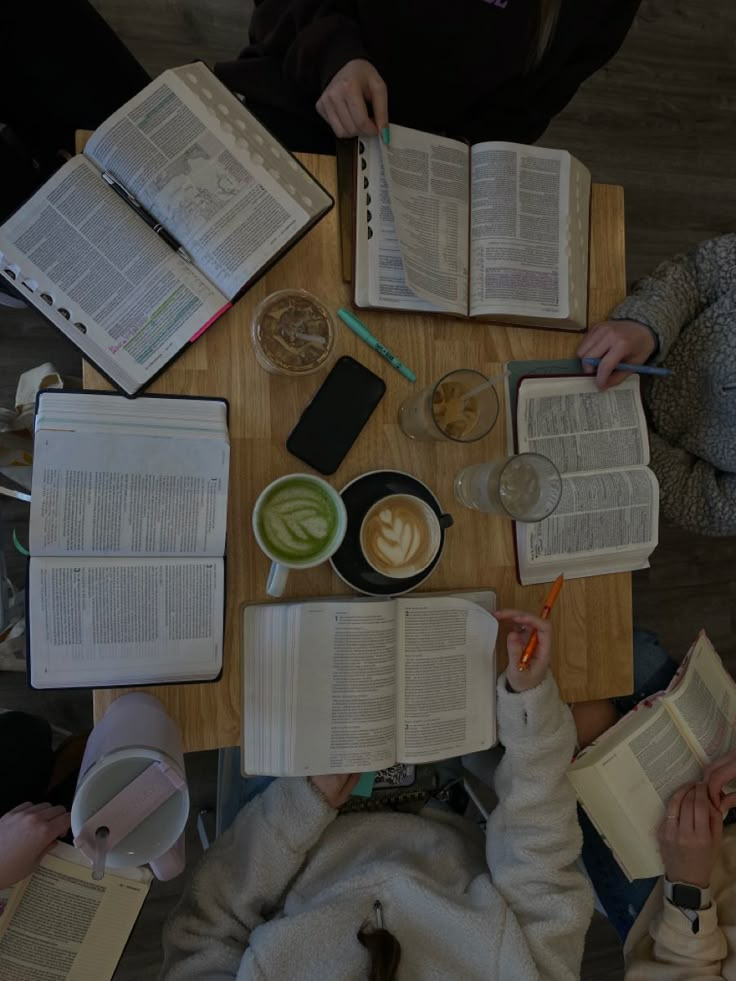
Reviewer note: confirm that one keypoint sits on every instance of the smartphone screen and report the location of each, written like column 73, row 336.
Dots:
column 332, row 421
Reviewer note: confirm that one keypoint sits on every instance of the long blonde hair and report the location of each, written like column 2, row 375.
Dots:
column 548, row 12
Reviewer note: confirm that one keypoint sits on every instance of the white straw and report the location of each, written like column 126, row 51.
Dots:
column 486, row 385
column 98, row 866
column 313, row 338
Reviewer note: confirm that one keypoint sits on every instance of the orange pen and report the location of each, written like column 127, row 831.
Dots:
column 531, row 644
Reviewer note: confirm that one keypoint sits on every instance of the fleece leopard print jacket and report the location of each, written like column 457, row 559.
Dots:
column 689, row 303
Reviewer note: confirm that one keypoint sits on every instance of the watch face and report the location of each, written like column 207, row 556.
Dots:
column 686, row 897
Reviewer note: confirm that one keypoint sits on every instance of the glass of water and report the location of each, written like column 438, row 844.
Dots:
column 525, row 487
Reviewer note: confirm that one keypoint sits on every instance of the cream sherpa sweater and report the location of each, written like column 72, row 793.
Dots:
column 283, row 893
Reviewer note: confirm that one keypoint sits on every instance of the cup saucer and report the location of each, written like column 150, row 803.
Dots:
column 359, row 496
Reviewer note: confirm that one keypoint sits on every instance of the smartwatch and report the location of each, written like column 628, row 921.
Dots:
column 686, row 896
column 689, row 899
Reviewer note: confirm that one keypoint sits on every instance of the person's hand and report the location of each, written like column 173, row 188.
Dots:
column 336, row 788
column 344, row 103
column 690, row 836
column 26, row 834
column 717, row 775
column 522, row 624
column 614, row 341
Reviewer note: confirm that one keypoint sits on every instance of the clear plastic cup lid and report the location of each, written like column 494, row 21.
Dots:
column 293, row 333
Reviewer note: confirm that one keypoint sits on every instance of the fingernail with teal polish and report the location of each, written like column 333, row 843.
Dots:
column 386, row 135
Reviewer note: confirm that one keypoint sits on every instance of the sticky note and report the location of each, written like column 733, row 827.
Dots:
column 364, row 787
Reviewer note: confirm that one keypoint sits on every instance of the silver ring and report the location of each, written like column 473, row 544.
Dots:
column 671, row 817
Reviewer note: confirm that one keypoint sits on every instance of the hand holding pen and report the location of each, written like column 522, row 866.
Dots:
column 531, row 644
column 614, row 342
column 523, row 627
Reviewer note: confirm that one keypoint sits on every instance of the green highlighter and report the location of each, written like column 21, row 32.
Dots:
column 358, row 327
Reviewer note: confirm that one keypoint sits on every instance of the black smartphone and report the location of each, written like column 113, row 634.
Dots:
column 332, row 421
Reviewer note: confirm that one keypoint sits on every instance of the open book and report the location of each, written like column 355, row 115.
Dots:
column 336, row 686
column 126, row 580
column 59, row 924
column 608, row 517
column 497, row 231
column 201, row 165
column 625, row 779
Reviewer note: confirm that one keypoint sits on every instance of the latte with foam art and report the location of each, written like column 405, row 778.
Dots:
column 400, row 536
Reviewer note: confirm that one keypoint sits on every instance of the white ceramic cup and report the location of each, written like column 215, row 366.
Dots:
column 433, row 528
column 280, row 567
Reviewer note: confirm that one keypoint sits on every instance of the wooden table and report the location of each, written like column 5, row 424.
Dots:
column 592, row 620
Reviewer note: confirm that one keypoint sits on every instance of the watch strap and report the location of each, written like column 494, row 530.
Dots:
column 690, row 900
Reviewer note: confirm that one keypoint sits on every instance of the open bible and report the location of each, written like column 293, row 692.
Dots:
column 335, row 686
column 202, row 167
column 625, row 778
column 59, row 924
column 126, row 580
column 497, row 231
column 608, row 517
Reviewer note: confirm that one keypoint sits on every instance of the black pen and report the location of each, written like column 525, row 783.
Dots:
column 135, row 204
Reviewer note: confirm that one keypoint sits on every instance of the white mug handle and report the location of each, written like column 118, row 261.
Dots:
column 277, row 579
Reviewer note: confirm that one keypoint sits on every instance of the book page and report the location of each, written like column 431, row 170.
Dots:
column 599, row 515
column 359, row 671
column 379, row 270
column 578, row 242
column 320, row 688
column 615, row 824
column 519, row 208
column 98, row 622
column 581, row 428
column 642, row 761
column 61, row 925
column 427, row 179
column 210, row 173
column 104, row 278
column 270, row 652
column 130, row 495
column 446, row 679
column 704, row 703
column 514, row 371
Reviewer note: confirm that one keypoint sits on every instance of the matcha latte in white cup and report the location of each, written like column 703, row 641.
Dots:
column 299, row 521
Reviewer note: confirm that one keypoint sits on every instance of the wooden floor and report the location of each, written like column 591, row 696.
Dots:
column 661, row 120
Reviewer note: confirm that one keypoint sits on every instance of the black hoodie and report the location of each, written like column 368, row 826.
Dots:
column 458, row 67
